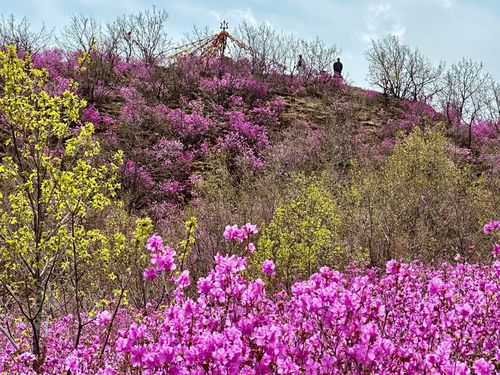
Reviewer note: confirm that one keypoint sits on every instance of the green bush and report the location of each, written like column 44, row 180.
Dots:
column 304, row 233
column 420, row 204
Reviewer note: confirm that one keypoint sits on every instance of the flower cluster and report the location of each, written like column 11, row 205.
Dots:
column 412, row 319
column 162, row 258
column 268, row 267
column 188, row 126
column 491, row 226
column 233, row 232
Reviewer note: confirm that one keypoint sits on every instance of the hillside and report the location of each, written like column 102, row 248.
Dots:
column 197, row 138
column 207, row 217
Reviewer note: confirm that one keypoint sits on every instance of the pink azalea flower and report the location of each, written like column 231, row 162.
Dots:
column 103, row 318
column 268, row 267
column 483, row 367
column 155, row 243
column 150, row 273
column 250, row 247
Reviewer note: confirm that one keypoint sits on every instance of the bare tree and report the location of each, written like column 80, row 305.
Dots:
column 318, row 56
column 267, row 51
column 423, row 76
column 141, row 35
column 465, row 92
column 273, row 51
column 81, row 34
column 147, row 34
column 400, row 71
column 387, row 59
column 21, row 35
column 197, row 34
column 493, row 104
column 112, row 38
column 119, row 33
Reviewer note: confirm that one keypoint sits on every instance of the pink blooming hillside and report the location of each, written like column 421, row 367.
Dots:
column 123, row 169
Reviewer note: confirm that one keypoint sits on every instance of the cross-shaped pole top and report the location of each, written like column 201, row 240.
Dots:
column 224, row 25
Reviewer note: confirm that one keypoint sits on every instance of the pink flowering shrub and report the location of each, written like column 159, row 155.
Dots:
column 100, row 121
column 418, row 113
column 190, row 128
column 486, row 144
column 410, row 319
column 493, row 227
column 266, row 115
column 206, row 108
column 484, row 138
column 371, row 93
column 393, row 126
column 323, row 82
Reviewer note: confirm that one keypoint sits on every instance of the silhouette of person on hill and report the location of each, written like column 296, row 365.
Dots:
column 301, row 65
column 337, row 68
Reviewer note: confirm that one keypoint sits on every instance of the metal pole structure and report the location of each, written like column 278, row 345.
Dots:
column 223, row 36
column 223, row 26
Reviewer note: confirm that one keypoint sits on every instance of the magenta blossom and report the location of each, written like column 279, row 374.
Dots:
column 103, row 318
column 164, row 261
column 250, row 247
column 483, row 367
column 233, row 232
column 392, row 267
column 496, row 250
column 155, row 243
column 249, row 229
column 183, row 280
column 268, row 268
column 492, row 225
column 150, row 273
column 436, row 286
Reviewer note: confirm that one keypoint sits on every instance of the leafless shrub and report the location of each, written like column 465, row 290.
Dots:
column 465, row 93
column 146, row 35
column 273, row 51
column 493, row 104
column 318, row 56
column 21, row 35
column 267, row 51
column 401, row 71
column 81, row 34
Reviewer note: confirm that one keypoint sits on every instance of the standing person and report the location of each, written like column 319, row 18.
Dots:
column 337, row 68
column 301, row 66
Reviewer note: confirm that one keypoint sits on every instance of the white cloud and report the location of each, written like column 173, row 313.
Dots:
column 381, row 19
column 215, row 15
column 232, row 16
column 447, row 3
column 238, row 15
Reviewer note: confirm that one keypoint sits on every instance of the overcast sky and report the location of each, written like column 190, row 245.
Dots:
column 442, row 29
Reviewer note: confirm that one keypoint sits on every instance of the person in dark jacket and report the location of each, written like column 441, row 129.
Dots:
column 337, row 68
column 301, row 66
column 300, row 63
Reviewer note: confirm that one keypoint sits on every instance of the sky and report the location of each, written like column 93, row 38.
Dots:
column 443, row 30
